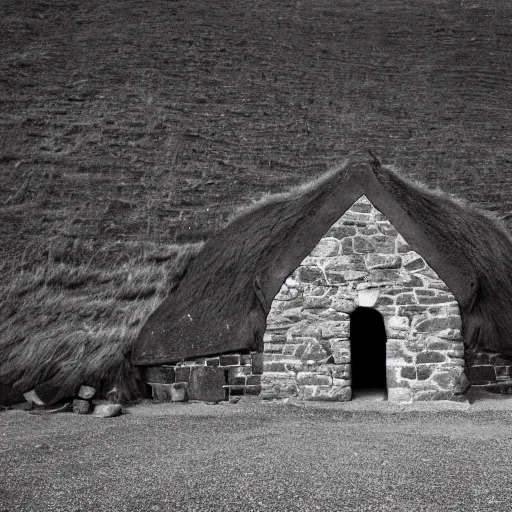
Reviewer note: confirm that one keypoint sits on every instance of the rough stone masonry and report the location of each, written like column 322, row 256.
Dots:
column 363, row 261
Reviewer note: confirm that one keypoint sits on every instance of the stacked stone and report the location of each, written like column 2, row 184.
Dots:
column 206, row 378
column 362, row 260
column 489, row 369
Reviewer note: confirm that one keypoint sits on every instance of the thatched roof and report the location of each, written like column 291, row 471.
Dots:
column 223, row 299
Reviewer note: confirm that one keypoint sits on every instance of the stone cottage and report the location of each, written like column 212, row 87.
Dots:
column 358, row 279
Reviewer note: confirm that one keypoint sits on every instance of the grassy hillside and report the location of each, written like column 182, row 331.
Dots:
column 129, row 125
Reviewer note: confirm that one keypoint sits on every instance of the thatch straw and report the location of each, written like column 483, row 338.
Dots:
column 222, row 301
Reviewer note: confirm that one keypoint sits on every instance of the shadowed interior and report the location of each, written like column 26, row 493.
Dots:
column 368, row 348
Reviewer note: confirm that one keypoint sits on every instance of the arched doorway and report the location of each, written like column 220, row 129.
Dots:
column 367, row 349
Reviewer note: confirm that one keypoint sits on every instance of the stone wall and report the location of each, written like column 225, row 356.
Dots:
column 363, row 261
column 210, row 379
column 489, row 370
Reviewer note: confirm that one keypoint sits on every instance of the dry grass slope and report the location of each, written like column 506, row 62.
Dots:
column 73, row 321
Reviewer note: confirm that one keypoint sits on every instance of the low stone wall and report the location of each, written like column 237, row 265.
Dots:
column 489, row 370
column 363, row 261
column 209, row 379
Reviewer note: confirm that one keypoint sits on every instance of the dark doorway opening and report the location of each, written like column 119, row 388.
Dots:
column 368, row 349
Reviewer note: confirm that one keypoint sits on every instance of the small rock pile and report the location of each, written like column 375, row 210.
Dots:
column 82, row 404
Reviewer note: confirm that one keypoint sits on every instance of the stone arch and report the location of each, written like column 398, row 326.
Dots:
column 363, row 261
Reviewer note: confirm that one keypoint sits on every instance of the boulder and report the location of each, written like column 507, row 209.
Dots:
column 86, row 392
column 179, row 392
column 107, row 410
column 31, row 396
column 81, row 406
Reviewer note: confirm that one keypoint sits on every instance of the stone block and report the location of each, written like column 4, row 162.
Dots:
column 257, row 362
column 207, row 384
column 335, row 329
column 326, row 393
column 211, row 361
column 312, row 378
column 329, row 314
column 430, row 356
column 269, row 393
column 81, row 406
column 398, row 323
column 275, row 366
column 360, row 207
column 253, row 380
column 341, row 231
column 293, row 350
column 454, row 380
column 108, row 410
column 411, row 281
column 438, row 324
column 338, row 371
column 272, row 348
column 182, row 373
column 400, row 394
column 408, row 372
column 179, row 392
column 437, row 299
column 326, row 247
column 368, row 230
column 311, row 275
column 340, row 350
column 86, row 392
column 415, row 313
column 385, row 276
column 253, row 389
column 384, row 300
column 229, row 360
column 387, row 229
column 343, row 305
column 315, row 302
column 438, row 344
column 160, row 392
column 293, row 314
column 479, row 375
column 31, row 396
column 304, row 329
column 395, row 348
column 314, row 351
column 342, row 383
column 362, row 245
column 382, row 261
column 356, row 219
column 406, row 299
column 424, row 371
column 287, row 294
column 417, row 263
column 402, row 248
column 383, row 244
column 449, row 334
column 270, row 337
column 347, row 246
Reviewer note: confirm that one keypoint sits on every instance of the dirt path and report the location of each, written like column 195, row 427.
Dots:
column 256, row 456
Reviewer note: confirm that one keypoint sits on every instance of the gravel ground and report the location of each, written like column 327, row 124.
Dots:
column 261, row 456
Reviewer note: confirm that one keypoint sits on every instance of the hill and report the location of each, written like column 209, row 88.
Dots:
column 127, row 127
